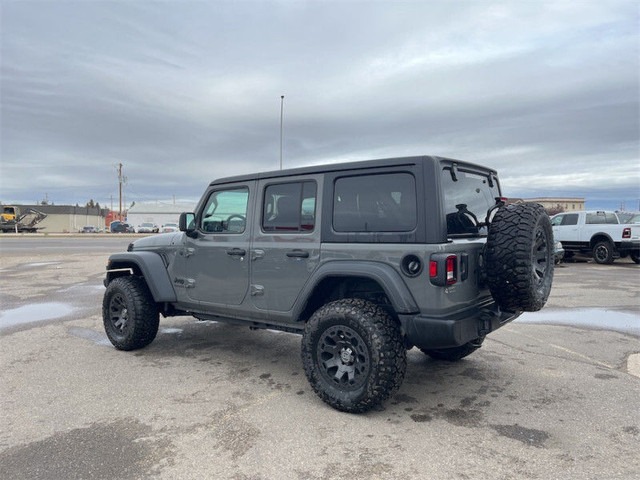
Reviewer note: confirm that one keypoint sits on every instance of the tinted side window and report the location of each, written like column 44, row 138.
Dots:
column 557, row 220
column 375, row 203
column 289, row 207
column 226, row 211
column 595, row 218
column 570, row 219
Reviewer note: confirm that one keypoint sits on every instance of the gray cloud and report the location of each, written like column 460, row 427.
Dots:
column 184, row 93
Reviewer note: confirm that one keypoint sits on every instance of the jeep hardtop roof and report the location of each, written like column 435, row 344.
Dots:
column 360, row 165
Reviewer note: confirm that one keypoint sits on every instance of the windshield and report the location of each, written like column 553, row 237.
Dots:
column 147, row 225
column 467, row 198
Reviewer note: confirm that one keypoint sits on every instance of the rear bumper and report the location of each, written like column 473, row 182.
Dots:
column 452, row 331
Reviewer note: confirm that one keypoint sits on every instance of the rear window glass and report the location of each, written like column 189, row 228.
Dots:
column 467, row 198
column 600, row 218
column 375, row 203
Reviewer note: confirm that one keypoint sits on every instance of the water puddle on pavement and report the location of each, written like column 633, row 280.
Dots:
column 37, row 312
column 39, row 264
column 600, row 318
column 98, row 338
column 169, row 330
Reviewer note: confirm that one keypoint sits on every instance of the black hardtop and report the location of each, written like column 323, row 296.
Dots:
column 360, row 165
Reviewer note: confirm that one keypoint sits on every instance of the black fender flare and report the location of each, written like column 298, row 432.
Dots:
column 592, row 242
column 152, row 268
column 385, row 275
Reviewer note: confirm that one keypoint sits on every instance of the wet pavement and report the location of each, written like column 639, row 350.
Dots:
column 552, row 395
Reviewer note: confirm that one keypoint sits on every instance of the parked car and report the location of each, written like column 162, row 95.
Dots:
column 120, row 227
column 169, row 227
column 364, row 260
column 89, row 229
column 148, row 227
column 598, row 233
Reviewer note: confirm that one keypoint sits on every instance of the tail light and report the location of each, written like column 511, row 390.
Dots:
column 451, row 263
column 443, row 269
column 626, row 233
column 433, row 269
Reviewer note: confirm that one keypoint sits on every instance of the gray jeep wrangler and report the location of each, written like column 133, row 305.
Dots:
column 365, row 260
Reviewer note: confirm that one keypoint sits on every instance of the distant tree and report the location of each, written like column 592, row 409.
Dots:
column 97, row 205
column 90, row 204
column 551, row 211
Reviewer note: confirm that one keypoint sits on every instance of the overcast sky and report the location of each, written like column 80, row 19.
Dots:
column 183, row 93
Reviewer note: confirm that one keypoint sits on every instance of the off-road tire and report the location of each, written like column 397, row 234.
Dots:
column 635, row 257
column 453, row 354
column 603, row 253
column 129, row 313
column 379, row 364
column 520, row 257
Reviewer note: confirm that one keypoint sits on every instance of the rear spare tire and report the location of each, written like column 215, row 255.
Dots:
column 520, row 257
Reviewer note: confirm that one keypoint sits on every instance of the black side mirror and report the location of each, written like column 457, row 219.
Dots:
column 187, row 222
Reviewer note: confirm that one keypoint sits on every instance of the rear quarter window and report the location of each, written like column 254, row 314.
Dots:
column 375, row 203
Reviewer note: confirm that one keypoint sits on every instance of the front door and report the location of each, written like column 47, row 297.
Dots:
column 217, row 263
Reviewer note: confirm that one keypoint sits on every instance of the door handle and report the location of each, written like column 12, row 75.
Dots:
column 297, row 254
column 237, row 252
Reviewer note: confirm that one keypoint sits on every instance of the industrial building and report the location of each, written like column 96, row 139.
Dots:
column 67, row 218
column 158, row 213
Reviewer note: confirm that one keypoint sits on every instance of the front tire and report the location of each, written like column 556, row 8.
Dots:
column 129, row 313
column 603, row 253
column 353, row 355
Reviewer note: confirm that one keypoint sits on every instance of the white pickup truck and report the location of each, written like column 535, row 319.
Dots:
column 598, row 233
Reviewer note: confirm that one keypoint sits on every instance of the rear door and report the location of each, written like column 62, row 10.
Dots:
column 286, row 246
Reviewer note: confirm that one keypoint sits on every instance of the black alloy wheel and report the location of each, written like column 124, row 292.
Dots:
column 344, row 357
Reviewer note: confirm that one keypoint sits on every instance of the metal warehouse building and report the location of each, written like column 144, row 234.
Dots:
column 157, row 212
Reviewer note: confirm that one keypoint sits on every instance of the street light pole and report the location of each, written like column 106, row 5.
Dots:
column 281, row 115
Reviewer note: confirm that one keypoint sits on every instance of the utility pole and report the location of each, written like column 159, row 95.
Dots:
column 111, row 202
column 121, row 179
column 281, row 115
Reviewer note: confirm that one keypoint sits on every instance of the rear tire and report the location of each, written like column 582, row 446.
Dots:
column 129, row 313
column 635, row 257
column 603, row 253
column 454, row 354
column 520, row 257
column 353, row 355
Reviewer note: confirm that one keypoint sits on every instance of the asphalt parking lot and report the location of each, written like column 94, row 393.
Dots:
column 553, row 395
